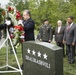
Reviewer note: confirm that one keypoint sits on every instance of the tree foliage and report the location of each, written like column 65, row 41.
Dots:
column 1, row 17
column 52, row 10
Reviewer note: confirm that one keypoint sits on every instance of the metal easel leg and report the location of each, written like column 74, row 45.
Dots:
column 7, row 65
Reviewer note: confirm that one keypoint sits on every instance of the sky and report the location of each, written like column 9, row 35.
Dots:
column 3, row 3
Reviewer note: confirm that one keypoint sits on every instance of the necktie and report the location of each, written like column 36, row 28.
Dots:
column 68, row 27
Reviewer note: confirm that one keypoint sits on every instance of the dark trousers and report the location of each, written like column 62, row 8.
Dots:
column 75, row 50
column 66, row 52
column 71, row 53
column 60, row 44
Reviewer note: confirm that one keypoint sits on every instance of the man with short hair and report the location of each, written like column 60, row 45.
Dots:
column 70, row 39
column 46, row 32
column 28, row 25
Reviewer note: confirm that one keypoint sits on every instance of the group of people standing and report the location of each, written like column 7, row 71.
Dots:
column 65, row 36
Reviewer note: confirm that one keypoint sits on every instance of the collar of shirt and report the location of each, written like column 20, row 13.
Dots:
column 45, row 24
column 59, row 26
column 71, row 24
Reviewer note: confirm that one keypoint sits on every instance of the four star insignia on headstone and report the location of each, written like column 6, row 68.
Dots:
column 38, row 53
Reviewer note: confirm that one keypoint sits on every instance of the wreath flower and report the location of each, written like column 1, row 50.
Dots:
column 18, row 34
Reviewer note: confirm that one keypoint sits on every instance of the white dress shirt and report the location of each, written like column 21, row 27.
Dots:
column 59, row 28
column 71, row 24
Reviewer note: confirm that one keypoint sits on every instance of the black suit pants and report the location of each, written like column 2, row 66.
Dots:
column 60, row 44
column 71, row 53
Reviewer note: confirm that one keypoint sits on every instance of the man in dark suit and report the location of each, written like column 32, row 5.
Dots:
column 59, row 33
column 70, row 39
column 46, row 32
column 28, row 25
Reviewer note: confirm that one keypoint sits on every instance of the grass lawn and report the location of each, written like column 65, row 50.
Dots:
column 68, row 68
column 12, row 60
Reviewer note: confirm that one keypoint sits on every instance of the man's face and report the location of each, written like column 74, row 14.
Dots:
column 69, row 20
column 59, row 23
column 25, row 16
column 46, row 22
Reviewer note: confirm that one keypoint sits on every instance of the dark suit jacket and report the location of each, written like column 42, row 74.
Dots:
column 46, row 33
column 70, row 35
column 29, row 29
column 59, row 36
column 2, row 26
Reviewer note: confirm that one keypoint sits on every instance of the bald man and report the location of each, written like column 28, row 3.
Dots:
column 59, row 34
